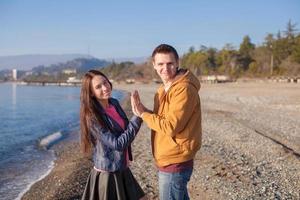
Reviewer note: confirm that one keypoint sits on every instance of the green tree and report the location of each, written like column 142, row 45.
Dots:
column 253, row 68
column 191, row 49
column 211, row 57
column 196, row 62
column 290, row 30
column 296, row 50
column 269, row 41
column 245, row 51
column 290, row 33
column 226, row 59
column 246, row 47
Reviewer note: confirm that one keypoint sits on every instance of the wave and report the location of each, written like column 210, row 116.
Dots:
column 50, row 167
column 49, row 140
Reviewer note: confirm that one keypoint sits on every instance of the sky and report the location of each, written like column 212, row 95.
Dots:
column 133, row 28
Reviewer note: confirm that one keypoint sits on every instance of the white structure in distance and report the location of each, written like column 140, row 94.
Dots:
column 15, row 74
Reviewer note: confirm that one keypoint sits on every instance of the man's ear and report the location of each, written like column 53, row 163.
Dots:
column 178, row 63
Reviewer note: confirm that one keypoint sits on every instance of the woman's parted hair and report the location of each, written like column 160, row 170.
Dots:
column 89, row 108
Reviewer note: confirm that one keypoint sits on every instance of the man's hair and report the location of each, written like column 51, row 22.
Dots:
column 166, row 49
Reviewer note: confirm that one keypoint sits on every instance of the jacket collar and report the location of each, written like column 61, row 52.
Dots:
column 110, row 121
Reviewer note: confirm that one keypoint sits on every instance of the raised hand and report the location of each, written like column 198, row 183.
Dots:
column 133, row 103
column 137, row 107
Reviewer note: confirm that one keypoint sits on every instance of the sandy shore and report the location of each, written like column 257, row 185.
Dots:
column 251, row 147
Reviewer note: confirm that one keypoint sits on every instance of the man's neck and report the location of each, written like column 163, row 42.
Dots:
column 167, row 84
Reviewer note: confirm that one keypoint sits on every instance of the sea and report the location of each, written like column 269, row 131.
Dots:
column 32, row 119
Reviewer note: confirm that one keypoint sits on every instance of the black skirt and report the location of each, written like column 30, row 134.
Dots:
column 119, row 185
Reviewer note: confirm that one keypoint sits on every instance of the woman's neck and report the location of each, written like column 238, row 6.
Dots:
column 104, row 103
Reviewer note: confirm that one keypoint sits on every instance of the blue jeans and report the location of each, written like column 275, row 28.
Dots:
column 173, row 186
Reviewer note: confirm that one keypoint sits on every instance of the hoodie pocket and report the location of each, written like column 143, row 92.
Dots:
column 167, row 146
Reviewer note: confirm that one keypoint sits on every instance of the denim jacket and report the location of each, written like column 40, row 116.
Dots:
column 111, row 145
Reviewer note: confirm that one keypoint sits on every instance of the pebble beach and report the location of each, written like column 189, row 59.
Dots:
column 250, row 148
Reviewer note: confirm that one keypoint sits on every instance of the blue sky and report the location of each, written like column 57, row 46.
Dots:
column 114, row 29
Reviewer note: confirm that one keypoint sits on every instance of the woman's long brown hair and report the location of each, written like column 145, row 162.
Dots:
column 89, row 108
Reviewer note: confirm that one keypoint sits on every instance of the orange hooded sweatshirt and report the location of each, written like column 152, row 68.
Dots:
column 175, row 123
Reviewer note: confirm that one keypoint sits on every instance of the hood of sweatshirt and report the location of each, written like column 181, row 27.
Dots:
column 186, row 77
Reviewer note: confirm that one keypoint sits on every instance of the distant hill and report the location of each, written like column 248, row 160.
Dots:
column 27, row 62
column 80, row 64
column 129, row 70
column 136, row 60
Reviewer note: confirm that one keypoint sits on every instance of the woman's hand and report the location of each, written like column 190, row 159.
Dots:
column 137, row 107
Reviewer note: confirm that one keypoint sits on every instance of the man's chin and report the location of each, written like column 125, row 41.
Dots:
column 165, row 79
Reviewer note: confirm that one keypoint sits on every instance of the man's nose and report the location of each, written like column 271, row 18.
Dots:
column 165, row 66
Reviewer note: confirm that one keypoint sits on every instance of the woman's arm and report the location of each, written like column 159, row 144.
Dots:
column 120, row 142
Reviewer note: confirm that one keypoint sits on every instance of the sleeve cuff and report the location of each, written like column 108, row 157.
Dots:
column 144, row 115
column 136, row 118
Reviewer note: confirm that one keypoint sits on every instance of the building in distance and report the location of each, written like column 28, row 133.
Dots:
column 69, row 71
column 15, row 74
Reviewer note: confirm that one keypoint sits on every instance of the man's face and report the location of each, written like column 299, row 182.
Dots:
column 166, row 66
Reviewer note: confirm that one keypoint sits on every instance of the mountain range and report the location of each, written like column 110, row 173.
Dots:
column 27, row 62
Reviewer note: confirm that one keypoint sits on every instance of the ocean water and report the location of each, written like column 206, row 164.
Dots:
column 29, row 115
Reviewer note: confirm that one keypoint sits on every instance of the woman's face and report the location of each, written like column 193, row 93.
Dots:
column 101, row 87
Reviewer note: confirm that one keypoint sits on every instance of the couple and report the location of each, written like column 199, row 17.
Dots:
column 175, row 124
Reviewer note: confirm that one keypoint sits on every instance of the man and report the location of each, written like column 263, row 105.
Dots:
column 175, row 123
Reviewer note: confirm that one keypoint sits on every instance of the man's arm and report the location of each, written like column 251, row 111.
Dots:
column 181, row 107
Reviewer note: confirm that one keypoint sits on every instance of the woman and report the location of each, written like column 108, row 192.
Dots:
column 106, row 133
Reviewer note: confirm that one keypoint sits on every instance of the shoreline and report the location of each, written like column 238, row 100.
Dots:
column 61, row 182
column 67, row 157
column 52, row 145
column 22, row 193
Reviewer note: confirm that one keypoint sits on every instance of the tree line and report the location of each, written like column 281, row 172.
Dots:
column 278, row 55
